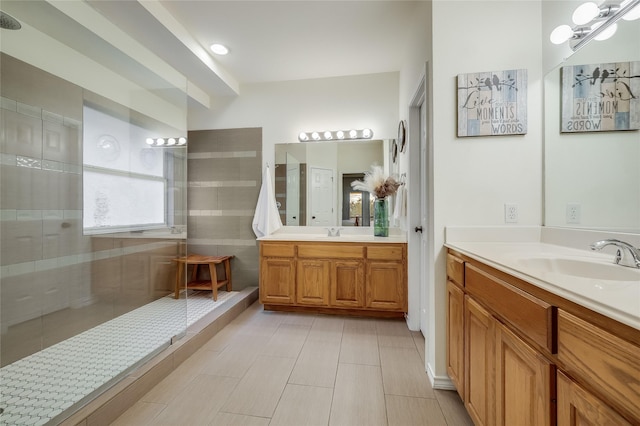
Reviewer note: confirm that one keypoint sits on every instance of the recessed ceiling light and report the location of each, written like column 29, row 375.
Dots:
column 219, row 49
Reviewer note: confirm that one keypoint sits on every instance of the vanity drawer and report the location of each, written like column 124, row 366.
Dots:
column 332, row 251
column 277, row 249
column 533, row 317
column 604, row 361
column 455, row 269
column 385, row 252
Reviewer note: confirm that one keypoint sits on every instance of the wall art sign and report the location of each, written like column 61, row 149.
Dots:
column 601, row 97
column 492, row 103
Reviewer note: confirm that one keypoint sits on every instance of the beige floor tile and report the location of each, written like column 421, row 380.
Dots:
column 359, row 346
column 409, row 411
column 326, row 329
column 229, row 419
column 287, row 341
column 142, row 413
column 236, row 359
column 394, row 333
column 419, row 341
column 303, row 405
column 358, row 397
column 299, row 319
column 360, row 324
column 453, row 408
column 317, row 364
column 403, row 373
column 221, row 339
column 259, row 391
column 198, row 402
column 165, row 391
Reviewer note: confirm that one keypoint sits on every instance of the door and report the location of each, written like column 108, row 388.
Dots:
column 312, row 283
column 293, row 191
column 347, row 283
column 424, row 249
column 321, row 197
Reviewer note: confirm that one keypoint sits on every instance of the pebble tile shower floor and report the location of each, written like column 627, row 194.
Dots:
column 40, row 387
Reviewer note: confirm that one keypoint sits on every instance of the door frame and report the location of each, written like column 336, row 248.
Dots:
column 418, row 299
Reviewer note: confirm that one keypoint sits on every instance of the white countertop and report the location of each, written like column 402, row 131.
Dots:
column 619, row 300
column 347, row 235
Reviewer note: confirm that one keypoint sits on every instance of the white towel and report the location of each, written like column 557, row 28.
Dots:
column 266, row 220
column 400, row 208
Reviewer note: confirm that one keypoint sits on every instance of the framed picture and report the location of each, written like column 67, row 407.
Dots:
column 600, row 97
column 492, row 103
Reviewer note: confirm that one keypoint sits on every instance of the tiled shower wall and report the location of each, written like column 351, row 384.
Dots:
column 224, row 177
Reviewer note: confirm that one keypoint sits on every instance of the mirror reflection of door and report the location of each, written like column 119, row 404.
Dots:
column 357, row 206
column 293, row 191
column 321, row 197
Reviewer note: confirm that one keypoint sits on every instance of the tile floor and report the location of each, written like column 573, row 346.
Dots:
column 272, row 368
column 39, row 388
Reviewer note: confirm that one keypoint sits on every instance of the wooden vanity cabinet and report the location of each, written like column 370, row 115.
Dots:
column 277, row 273
column 348, row 278
column 533, row 358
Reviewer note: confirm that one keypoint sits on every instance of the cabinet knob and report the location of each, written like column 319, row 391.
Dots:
column 418, row 229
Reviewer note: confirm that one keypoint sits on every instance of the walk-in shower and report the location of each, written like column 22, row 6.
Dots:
column 92, row 217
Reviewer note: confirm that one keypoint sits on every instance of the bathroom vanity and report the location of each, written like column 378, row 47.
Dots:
column 531, row 343
column 348, row 275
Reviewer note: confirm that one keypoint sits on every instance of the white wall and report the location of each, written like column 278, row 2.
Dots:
column 474, row 177
column 285, row 109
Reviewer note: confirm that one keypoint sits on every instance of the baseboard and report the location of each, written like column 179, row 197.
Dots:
column 439, row 382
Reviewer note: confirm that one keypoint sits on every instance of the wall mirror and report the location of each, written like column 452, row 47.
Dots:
column 592, row 179
column 313, row 181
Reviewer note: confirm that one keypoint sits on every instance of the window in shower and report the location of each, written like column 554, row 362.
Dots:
column 124, row 180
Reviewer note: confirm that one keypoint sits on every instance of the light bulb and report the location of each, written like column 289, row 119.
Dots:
column 366, row 133
column 171, row 141
column 303, row 137
column 585, row 13
column 353, row 134
column 182, row 141
column 633, row 14
column 561, row 34
column 149, row 141
column 328, row 136
column 340, row 134
column 315, row 136
column 159, row 141
column 219, row 49
column 607, row 33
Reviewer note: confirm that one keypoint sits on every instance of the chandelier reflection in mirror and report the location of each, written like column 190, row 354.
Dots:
column 337, row 135
column 167, row 142
column 593, row 21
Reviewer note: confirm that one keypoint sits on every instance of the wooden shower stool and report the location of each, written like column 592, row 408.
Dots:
column 193, row 283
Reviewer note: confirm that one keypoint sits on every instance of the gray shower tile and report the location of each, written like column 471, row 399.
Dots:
column 203, row 198
column 238, row 198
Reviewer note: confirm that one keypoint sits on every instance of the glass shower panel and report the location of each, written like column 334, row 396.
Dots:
column 83, row 304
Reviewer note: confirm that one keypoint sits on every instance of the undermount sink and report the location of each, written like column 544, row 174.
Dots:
column 581, row 268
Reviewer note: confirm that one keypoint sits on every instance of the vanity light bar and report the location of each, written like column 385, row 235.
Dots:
column 338, row 135
column 167, row 142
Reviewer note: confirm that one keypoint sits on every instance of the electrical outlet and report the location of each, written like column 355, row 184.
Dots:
column 510, row 213
column 573, row 213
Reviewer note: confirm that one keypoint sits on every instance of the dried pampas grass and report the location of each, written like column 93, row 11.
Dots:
column 376, row 182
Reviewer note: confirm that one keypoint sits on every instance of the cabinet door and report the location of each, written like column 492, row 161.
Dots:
column 455, row 336
column 347, row 283
column 385, row 286
column 277, row 280
column 577, row 407
column 479, row 363
column 312, row 287
column 525, row 383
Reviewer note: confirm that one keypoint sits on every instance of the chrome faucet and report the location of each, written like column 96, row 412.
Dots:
column 626, row 255
column 333, row 232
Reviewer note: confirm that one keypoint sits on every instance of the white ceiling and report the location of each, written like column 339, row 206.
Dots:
column 268, row 40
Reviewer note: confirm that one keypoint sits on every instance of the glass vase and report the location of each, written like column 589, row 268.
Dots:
column 380, row 218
